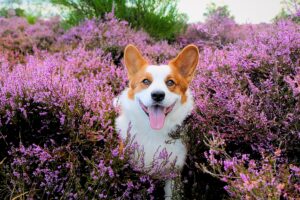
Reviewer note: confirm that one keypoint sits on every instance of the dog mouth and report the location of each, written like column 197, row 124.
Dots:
column 157, row 114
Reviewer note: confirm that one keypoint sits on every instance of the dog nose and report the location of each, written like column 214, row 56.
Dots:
column 158, row 95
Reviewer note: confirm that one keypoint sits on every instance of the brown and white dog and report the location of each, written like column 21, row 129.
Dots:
column 156, row 102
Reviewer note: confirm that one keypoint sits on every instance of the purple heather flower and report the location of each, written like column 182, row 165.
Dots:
column 244, row 177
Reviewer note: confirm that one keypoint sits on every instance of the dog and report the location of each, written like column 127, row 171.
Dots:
column 155, row 103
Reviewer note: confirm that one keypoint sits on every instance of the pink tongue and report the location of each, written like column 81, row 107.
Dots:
column 157, row 117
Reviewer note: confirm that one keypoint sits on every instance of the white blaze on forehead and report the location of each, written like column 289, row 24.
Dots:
column 157, row 114
column 159, row 75
column 159, row 72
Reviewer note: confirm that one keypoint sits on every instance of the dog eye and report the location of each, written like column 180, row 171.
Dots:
column 170, row 83
column 146, row 82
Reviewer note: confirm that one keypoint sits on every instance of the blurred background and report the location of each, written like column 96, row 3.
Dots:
column 179, row 12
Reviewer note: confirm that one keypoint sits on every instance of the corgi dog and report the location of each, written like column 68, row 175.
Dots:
column 155, row 103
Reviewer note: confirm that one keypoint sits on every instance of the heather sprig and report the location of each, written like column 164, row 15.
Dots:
column 266, row 178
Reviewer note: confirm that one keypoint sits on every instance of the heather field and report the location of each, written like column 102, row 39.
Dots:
column 57, row 135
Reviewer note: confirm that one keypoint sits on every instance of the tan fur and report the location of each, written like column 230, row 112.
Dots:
column 183, row 69
column 136, row 84
column 180, row 86
column 121, row 147
column 186, row 62
column 134, row 61
column 136, row 66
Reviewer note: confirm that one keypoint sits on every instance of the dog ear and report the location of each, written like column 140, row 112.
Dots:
column 186, row 62
column 134, row 60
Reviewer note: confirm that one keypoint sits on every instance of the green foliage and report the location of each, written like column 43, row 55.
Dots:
column 290, row 10
column 282, row 15
column 18, row 12
column 222, row 11
column 9, row 12
column 291, row 6
column 3, row 12
column 31, row 19
column 160, row 18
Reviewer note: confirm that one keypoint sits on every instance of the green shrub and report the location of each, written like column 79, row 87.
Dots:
column 290, row 10
column 160, row 19
column 31, row 19
column 222, row 11
column 3, row 12
column 19, row 12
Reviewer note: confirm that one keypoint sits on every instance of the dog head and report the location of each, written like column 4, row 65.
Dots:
column 157, row 90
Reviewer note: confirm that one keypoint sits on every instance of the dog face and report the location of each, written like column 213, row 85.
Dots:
column 157, row 90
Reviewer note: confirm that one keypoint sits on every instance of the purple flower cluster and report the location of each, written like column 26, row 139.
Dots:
column 267, row 177
column 215, row 32
column 112, row 35
column 247, row 94
column 56, row 115
column 18, row 37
